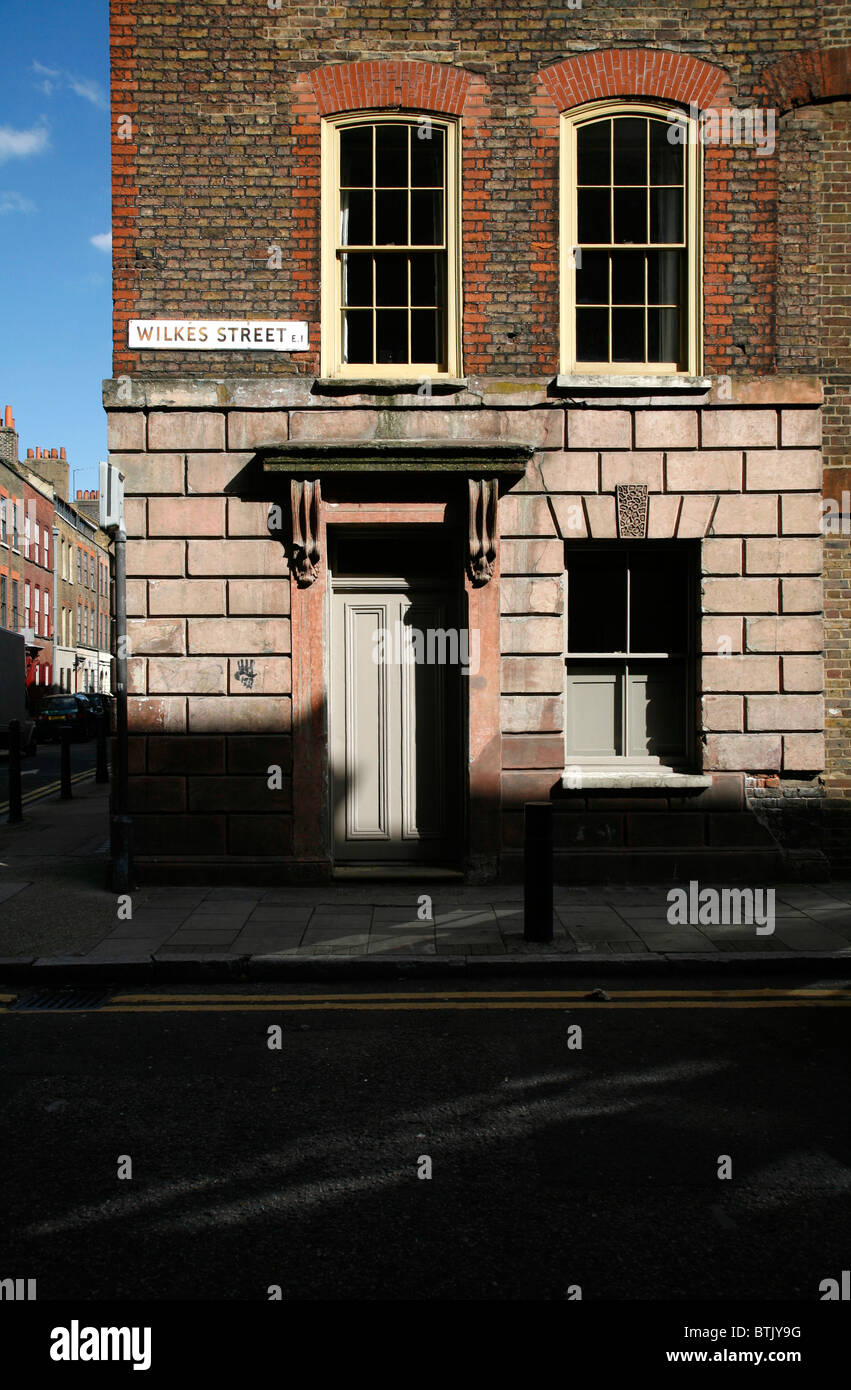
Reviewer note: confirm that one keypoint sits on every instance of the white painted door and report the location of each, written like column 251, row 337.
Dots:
column 395, row 745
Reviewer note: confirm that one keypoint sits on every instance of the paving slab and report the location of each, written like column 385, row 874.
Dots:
column 206, row 929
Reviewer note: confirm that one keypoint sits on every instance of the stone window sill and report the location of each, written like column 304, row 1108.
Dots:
column 611, row 385
column 388, row 386
column 634, row 778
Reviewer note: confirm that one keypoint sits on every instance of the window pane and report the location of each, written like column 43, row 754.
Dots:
column 628, row 335
column 391, row 331
column 592, row 278
column 594, row 223
column 357, row 336
column 424, row 278
column 594, row 720
column 628, row 277
column 425, row 341
column 663, row 277
column 391, row 156
column 356, row 157
column 426, row 219
column 666, row 214
column 427, row 157
column 658, row 603
column 391, row 279
column 666, row 159
column 592, row 335
column 391, row 216
column 593, row 152
column 355, row 219
column 663, row 335
column 630, row 151
column 657, row 713
column 357, row 279
column 630, row 214
column 596, row 604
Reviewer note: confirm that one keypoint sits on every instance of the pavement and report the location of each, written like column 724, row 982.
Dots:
column 60, row 923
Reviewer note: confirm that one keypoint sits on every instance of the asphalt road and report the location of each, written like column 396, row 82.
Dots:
column 551, row 1166
column 41, row 773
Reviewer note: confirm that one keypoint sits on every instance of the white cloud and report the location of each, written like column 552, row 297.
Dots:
column 54, row 78
column 49, row 76
column 14, row 202
column 89, row 91
column 18, row 144
column 103, row 241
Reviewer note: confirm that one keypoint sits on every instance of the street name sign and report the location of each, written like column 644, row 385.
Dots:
column 218, row 335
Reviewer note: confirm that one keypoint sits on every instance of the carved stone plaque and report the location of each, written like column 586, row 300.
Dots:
column 632, row 511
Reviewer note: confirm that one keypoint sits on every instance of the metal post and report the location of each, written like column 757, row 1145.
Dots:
column 16, row 812
column 65, row 793
column 101, row 772
column 538, row 872
column 121, row 834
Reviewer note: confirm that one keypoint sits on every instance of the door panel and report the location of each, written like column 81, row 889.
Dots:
column 424, row 734
column 367, row 792
column 396, row 766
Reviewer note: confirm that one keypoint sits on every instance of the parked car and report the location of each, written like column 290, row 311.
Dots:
column 59, row 712
column 100, row 703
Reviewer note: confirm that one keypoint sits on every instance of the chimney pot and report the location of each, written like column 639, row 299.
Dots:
column 9, row 422
column 54, row 453
column 62, row 453
column 30, row 454
column 38, row 451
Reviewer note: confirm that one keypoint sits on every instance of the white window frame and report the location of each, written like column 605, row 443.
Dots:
column 627, row 762
column 568, row 240
column 331, row 354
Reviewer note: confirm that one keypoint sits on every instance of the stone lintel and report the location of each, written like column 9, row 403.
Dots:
column 396, row 456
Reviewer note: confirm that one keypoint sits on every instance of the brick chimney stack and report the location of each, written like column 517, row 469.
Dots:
column 8, row 437
column 52, row 465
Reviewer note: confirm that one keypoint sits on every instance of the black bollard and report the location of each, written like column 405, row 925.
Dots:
column 101, row 771
column 538, row 872
column 121, row 854
column 16, row 810
column 65, row 793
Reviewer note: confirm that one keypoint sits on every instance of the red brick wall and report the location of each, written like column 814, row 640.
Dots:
column 224, row 159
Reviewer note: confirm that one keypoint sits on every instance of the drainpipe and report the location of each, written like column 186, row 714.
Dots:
column 121, row 856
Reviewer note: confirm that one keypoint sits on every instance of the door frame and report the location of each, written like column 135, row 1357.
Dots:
column 449, row 561
column 309, row 615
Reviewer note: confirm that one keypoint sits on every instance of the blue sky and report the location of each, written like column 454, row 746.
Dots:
column 55, row 281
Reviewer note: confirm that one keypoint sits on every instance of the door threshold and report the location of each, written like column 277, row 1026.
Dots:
column 405, row 872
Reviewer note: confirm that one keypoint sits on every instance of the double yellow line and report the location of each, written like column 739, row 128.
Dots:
column 39, row 793
column 474, row 1000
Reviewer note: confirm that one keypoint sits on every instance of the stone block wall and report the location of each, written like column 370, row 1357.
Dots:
column 209, row 591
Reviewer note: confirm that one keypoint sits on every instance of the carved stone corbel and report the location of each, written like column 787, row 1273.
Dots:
column 483, row 500
column 305, row 498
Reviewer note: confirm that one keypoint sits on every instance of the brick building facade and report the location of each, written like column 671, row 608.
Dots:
column 563, row 396
column 26, row 556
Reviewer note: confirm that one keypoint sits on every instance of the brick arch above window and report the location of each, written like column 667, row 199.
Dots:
column 448, row 91
column 799, row 79
column 621, row 72
column 364, row 86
